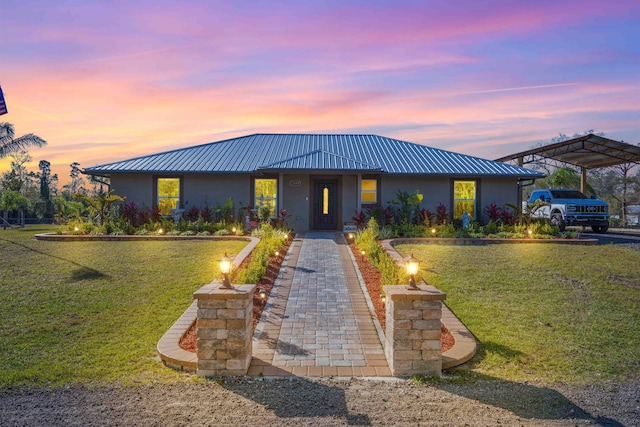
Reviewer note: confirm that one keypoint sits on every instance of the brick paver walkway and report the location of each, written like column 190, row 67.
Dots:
column 317, row 322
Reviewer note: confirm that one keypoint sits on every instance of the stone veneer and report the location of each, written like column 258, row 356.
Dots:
column 225, row 323
column 413, row 342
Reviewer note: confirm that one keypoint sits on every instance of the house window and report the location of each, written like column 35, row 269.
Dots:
column 168, row 195
column 369, row 194
column 266, row 194
column 464, row 198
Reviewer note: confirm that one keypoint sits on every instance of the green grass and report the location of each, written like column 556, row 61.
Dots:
column 93, row 312
column 543, row 312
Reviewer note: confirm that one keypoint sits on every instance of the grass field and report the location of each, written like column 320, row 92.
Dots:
column 93, row 312
column 543, row 312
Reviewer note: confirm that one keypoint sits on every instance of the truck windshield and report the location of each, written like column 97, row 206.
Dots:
column 568, row 194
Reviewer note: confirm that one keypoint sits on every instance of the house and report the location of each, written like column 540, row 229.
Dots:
column 321, row 180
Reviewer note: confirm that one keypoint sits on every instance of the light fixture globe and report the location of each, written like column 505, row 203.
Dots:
column 412, row 264
column 226, row 264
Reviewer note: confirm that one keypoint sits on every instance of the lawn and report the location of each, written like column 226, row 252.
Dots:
column 543, row 312
column 93, row 312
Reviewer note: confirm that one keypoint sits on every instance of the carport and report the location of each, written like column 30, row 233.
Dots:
column 588, row 152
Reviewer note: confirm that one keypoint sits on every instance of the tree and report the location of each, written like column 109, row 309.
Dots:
column 9, row 144
column 100, row 204
column 77, row 182
column 10, row 201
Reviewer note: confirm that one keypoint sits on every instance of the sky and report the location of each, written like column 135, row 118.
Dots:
column 103, row 81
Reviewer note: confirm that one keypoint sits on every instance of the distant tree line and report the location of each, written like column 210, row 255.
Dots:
column 34, row 194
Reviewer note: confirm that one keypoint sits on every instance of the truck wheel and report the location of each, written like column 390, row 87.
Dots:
column 599, row 228
column 557, row 221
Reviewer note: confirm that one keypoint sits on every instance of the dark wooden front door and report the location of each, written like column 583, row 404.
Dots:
column 325, row 204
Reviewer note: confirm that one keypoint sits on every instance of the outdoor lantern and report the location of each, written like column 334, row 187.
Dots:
column 233, row 230
column 225, row 268
column 160, row 231
column 277, row 254
column 76, row 229
column 383, row 298
column 263, row 296
column 413, row 265
column 350, row 236
column 530, row 232
column 433, row 231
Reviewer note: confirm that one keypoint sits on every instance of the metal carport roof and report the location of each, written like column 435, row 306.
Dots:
column 588, row 151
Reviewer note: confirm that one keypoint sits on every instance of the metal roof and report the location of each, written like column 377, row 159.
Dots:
column 312, row 152
column 588, row 151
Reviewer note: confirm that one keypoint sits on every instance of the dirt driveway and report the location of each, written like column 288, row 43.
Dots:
column 255, row 401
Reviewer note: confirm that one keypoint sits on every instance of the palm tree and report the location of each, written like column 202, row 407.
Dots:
column 9, row 144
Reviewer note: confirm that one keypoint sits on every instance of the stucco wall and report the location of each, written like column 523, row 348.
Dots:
column 498, row 190
column 208, row 190
column 295, row 199
column 349, row 198
column 137, row 188
column 198, row 190
column 435, row 190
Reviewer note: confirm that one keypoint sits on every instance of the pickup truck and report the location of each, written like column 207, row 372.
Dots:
column 563, row 207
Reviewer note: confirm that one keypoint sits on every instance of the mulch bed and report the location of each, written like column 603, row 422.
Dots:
column 370, row 274
column 373, row 280
column 189, row 339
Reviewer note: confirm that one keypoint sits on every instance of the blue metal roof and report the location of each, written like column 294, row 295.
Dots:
column 310, row 152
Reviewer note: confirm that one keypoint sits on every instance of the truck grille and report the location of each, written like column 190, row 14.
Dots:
column 590, row 209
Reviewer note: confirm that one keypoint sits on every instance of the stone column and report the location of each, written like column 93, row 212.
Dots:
column 225, row 322
column 413, row 341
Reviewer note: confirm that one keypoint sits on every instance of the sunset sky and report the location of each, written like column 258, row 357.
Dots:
column 109, row 80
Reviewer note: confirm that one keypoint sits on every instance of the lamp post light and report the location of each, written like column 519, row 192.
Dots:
column 433, row 231
column 160, row 231
column 383, row 298
column 530, row 233
column 363, row 253
column 226, row 263
column 350, row 236
column 412, row 265
column 233, row 230
column 277, row 254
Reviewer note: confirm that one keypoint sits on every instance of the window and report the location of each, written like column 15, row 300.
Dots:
column 168, row 195
column 369, row 194
column 266, row 194
column 464, row 198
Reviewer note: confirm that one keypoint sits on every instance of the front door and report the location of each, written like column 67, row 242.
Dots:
column 325, row 204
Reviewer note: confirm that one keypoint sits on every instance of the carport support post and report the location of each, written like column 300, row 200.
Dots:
column 413, row 341
column 225, row 322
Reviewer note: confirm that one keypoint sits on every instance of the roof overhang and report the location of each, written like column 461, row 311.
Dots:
column 588, row 152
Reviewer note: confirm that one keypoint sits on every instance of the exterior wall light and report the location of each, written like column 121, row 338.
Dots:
column 412, row 265
column 226, row 263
